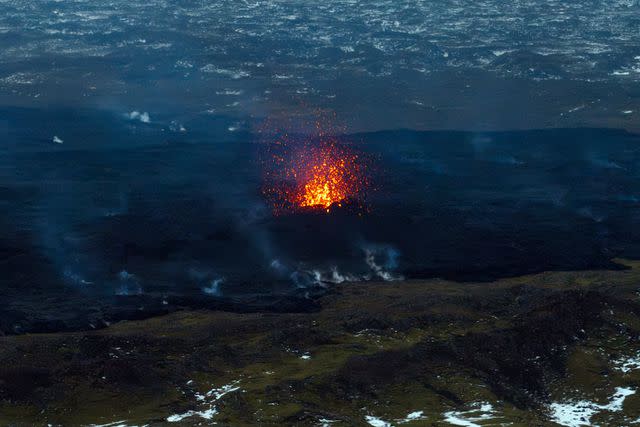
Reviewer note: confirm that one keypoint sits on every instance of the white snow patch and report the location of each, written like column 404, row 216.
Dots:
column 628, row 364
column 412, row 416
column 482, row 412
column 218, row 393
column 573, row 414
column 617, row 400
column 210, row 398
column 122, row 423
column 579, row 413
column 207, row 414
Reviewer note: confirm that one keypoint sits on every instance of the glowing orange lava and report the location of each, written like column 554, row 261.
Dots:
column 319, row 175
column 329, row 182
column 314, row 170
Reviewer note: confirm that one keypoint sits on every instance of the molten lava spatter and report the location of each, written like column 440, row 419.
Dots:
column 312, row 175
column 329, row 180
column 314, row 172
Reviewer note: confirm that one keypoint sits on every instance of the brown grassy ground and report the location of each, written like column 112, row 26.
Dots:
column 381, row 350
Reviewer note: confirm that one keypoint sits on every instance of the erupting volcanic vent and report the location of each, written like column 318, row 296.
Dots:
column 316, row 173
column 328, row 176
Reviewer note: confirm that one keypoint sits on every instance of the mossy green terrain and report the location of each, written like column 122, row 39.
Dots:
column 431, row 353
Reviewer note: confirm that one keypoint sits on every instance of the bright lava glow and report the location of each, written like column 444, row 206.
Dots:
column 327, row 184
column 319, row 177
column 315, row 172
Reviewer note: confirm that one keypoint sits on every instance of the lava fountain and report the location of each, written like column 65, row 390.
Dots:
column 315, row 174
column 329, row 176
